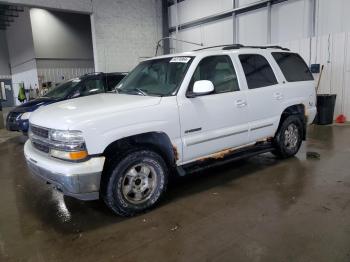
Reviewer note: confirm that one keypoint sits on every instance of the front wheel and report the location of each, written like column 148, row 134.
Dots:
column 289, row 137
column 135, row 183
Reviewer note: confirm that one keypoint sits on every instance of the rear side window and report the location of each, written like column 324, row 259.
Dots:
column 220, row 71
column 293, row 67
column 257, row 70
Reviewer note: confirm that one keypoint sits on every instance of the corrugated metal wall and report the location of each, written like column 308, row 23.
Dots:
column 291, row 26
column 58, row 75
column 332, row 52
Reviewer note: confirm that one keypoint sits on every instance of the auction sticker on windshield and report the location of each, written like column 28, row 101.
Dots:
column 180, row 59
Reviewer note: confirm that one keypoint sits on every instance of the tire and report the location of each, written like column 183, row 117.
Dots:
column 135, row 183
column 288, row 138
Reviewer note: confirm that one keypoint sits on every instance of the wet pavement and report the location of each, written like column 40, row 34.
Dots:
column 259, row 209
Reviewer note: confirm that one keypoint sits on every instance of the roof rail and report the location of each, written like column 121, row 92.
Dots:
column 239, row 46
column 210, row 47
column 257, row 47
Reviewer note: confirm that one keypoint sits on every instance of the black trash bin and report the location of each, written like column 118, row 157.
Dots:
column 325, row 109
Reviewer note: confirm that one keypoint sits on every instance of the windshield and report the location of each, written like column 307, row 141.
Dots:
column 61, row 91
column 160, row 77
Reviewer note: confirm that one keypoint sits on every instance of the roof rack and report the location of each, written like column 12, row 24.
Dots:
column 239, row 46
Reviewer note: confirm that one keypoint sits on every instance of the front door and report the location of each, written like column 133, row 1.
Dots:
column 216, row 121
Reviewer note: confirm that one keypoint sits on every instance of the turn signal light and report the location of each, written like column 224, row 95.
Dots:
column 79, row 155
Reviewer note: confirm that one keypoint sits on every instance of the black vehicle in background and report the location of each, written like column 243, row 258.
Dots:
column 89, row 84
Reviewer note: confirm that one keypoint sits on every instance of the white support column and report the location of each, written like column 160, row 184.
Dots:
column 177, row 27
column 269, row 7
column 313, row 18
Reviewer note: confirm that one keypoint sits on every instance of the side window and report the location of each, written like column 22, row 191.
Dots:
column 92, row 86
column 220, row 71
column 257, row 70
column 293, row 67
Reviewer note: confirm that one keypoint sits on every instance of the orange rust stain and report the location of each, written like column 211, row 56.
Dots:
column 267, row 139
column 218, row 155
column 176, row 152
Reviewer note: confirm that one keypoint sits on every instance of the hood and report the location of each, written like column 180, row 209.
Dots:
column 63, row 115
column 34, row 104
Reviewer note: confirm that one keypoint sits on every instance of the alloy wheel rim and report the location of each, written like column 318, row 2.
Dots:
column 291, row 137
column 139, row 183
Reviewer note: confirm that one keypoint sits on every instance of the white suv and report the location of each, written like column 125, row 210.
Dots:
column 171, row 115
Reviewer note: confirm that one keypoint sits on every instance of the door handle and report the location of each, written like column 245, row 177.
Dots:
column 278, row 96
column 241, row 103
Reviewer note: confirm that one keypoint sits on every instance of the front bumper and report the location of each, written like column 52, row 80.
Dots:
column 78, row 180
column 310, row 115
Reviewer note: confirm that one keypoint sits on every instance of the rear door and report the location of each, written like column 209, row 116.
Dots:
column 264, row 95
column 299, row 87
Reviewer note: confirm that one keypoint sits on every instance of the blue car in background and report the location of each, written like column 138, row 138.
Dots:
column 90, row 84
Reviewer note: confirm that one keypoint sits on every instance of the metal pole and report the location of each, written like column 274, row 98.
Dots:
column 1, row 116
column 177, row 25
column 269, row 22
column 234, row 24
column 313, row 22
column 165, row 29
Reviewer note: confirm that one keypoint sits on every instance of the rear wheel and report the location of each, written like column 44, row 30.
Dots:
column 135, row 183
column 288, row 138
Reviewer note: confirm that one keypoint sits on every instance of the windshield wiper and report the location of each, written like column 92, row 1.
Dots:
column 141, row 91
column 135, row 91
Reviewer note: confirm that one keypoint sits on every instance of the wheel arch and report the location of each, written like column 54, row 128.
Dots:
column 156, row 141
column 298, row 110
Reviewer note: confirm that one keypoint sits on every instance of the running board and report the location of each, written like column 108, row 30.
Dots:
column 224, row 157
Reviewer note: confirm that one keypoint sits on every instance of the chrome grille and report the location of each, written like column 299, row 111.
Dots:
column 41, row 147
column 39, row 131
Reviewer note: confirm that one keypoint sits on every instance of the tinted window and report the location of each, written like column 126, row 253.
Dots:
column 113, row 81
column 257, row 71
column 220, row 71
column 63, row 90
column 92, row 86
column 293, row 67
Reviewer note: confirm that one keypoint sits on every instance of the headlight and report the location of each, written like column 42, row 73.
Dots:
column 25, row 116
column 68, row 145
column 67, row 136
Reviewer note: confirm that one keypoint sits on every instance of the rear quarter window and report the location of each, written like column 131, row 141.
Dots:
column 293, row 67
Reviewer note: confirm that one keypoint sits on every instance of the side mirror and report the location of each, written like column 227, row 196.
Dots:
column 202, row 87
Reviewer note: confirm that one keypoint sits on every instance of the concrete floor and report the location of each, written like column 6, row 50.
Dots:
column 260, row 209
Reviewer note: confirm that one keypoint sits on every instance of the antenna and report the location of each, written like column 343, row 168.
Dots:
column 174, row 39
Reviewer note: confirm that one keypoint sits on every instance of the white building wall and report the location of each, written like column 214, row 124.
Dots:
column 291, row 20
column 252, row 28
